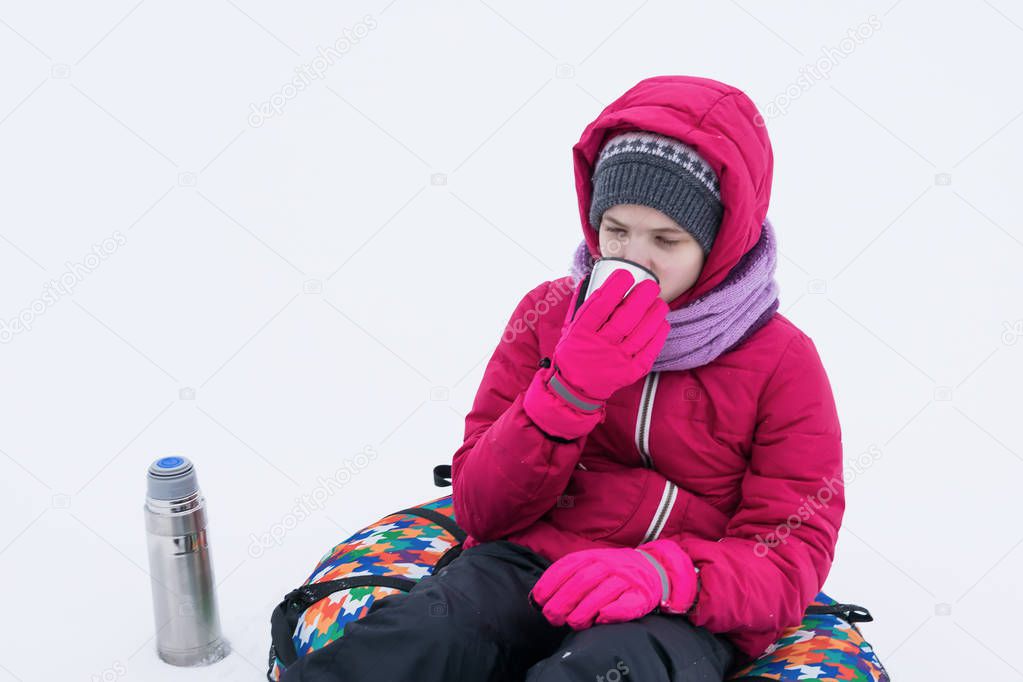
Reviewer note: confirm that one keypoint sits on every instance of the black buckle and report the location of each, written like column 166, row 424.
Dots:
column 302, row 597
column 856, row 614
column 851, row 613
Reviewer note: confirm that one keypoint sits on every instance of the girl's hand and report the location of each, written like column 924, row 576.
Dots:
column 616, row 585
column 613, row 339
column 611, row 342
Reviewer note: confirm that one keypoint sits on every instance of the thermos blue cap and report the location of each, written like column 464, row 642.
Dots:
column 171, row 478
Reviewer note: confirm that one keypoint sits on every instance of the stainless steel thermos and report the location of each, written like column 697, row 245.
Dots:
column 184, row 592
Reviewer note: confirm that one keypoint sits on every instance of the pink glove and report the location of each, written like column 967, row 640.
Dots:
column 617, row 585
column 612, row 341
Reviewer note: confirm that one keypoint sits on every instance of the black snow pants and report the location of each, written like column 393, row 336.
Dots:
column 473, row 621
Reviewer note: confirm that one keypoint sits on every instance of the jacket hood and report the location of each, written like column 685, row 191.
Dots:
column 725, row 128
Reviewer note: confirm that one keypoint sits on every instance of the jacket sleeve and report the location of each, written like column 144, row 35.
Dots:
column 508, row 472
column 779, row 545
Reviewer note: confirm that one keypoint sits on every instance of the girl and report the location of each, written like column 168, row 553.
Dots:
column 651, row 480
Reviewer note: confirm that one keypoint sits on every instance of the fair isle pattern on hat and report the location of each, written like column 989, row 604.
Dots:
column 665, row 147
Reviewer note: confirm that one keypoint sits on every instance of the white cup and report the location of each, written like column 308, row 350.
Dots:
column 603, row 268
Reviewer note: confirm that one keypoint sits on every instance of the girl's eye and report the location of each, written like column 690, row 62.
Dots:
column 662, row 240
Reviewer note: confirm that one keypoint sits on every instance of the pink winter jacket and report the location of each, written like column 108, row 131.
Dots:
column 739, row 460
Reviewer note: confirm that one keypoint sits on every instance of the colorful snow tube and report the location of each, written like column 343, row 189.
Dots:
column 827, row 645
column 383, row 558
column 400, row 549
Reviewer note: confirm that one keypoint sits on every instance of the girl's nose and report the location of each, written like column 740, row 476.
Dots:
column 638, row 254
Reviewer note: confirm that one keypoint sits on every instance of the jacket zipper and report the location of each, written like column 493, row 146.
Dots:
column 646, row 402
column 661, row 517
column 670, row 493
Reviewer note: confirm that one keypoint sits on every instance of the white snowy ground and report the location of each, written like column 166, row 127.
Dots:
column 286, row 289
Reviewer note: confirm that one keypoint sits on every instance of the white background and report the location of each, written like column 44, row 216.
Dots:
column 333, row 276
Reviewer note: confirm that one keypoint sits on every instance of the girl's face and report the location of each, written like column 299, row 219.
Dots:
column 652, row 239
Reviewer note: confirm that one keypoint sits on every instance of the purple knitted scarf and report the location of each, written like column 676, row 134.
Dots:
column 722, row 318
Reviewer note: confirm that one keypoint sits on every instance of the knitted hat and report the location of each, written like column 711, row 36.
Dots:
column 641, row 167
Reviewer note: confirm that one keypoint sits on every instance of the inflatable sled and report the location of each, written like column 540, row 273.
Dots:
column 397, row 551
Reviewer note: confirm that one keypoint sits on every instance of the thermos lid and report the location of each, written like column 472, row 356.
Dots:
column 171, row 478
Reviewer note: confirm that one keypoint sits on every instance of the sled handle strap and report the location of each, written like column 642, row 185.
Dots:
column 442, row 520
column 442, row 475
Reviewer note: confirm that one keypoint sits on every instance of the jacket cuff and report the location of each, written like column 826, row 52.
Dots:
column 679, row 575
column 557, row 410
